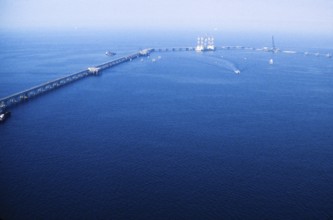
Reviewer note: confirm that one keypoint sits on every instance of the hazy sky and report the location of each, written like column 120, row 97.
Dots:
column 278, row 15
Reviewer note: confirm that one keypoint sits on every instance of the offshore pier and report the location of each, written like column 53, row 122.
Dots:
column 203, row 44
column 28, row 94
column 41, row 89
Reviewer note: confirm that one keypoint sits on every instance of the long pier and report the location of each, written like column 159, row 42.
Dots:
column 38, row 90
column 30, row 93
column 174, row 49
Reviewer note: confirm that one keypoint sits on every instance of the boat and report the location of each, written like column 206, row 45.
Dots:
column 4, row 115
column 290, row 52
column 109, row 53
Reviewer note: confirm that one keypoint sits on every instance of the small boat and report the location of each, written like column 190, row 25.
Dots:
column 109, row 53
column 4, row 116
column 237, row 71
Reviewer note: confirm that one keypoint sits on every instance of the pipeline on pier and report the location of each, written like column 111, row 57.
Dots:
column 38, row 90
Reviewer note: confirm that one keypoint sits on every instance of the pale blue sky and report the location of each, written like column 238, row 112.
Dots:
column 266, row 15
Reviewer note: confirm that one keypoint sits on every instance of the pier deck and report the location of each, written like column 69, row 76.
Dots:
column 38, row 90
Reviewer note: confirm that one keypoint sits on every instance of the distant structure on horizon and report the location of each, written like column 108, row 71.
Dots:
column 205, row 44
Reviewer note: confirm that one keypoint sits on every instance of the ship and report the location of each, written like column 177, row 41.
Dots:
column 109, row 53
column 4, row 115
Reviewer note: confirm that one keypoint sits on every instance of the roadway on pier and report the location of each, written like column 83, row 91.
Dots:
column 30, row 93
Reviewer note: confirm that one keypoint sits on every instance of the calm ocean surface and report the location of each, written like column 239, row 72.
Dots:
column 180, row 138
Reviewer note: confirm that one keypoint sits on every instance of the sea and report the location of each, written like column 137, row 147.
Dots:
column 176, row 135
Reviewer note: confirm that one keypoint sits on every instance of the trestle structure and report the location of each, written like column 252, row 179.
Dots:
column 38, row 90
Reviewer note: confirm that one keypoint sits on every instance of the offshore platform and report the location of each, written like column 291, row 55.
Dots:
column 205, row 44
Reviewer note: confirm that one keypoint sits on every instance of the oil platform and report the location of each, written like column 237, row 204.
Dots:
column 205, row 44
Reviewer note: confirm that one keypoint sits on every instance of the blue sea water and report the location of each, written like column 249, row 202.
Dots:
column 180, row 138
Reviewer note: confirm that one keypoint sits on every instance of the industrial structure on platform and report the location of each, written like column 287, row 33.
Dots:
column 205, row 44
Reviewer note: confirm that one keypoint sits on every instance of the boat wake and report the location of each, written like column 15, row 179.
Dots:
column 227, row 64
column 224, row 63
column 230, row 65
